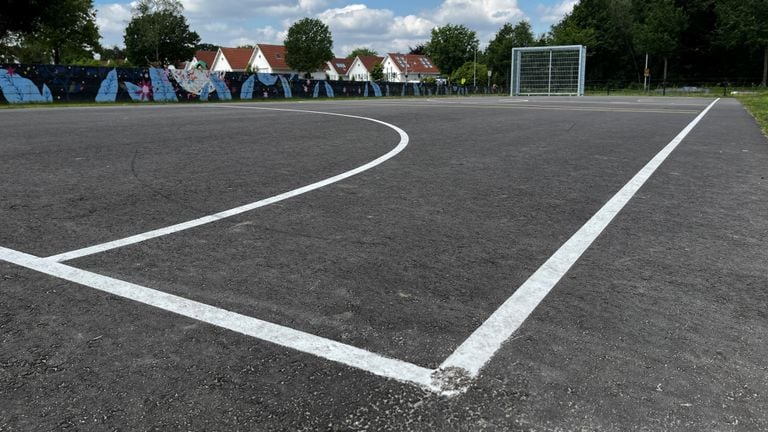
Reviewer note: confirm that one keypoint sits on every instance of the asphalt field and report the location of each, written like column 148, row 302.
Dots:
column 480, row 264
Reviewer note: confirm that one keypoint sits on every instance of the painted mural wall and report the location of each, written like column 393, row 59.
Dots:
column 55, row 83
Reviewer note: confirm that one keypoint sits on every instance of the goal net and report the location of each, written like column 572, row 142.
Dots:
column 551, row 70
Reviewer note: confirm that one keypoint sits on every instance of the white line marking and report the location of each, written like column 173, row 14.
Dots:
column 66, row 256
column 482, row 345
column 285, row 336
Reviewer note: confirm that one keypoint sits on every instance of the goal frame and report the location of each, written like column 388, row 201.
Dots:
column 517, row 61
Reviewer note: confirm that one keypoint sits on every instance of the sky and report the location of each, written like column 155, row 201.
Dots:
column 384, row 26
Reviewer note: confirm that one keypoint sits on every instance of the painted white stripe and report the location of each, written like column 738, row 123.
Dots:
column 285, row 336
column 482, row 345
column 66, row 256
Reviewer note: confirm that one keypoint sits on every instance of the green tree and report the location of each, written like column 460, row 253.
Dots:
column 158, row 33
column 362, row 51
column 659, row 28
column 20, row 16
column 744, row 22
column 451, row 46
column 308, row 45
column 419, row 49
column 605, row 27
column 377, row 72
column 469, row 75
column 62, row 31
column 207, row 47
column 499, row 50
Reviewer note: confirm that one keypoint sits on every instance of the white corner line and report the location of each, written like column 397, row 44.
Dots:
column 274, row 333
column 66, row 256
column 484, row 342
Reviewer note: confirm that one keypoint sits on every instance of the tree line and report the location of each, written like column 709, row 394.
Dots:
column 686, row 41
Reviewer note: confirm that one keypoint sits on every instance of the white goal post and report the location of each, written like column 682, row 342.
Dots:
column 549, row 70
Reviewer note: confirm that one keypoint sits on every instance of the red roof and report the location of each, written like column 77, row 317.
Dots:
column 417, row 63
column 275, row 55
column 341, row 65
column 206, row 56
column 237, row 57
column 370, row 61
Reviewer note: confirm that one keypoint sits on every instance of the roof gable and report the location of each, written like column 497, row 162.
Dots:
column 237, row 58
column 414, row 63
column 206, row 56
column 274, row 55
column 341, row 65
column 370, row 61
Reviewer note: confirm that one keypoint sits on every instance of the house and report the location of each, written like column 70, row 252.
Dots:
column 232, row 59
column 337, row 69
column 362, row 66
column 408, row 67
column 272, row 59
column 202, row 60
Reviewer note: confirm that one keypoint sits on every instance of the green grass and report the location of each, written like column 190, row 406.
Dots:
column 757, row 105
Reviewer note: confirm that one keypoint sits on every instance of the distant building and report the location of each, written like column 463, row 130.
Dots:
column 272, row 59
column 362, row 66
column 408, row 67
column 202, row 60
column 232, row 59
column 337, row 69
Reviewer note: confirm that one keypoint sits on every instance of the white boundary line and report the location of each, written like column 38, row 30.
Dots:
column 457, row 371
column 66, row 256
column 471, row 355
column 285, row 336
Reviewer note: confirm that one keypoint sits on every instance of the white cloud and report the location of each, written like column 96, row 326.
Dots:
column 553, row 14
column 353, row 25
column 479, row 12
column 112, row 20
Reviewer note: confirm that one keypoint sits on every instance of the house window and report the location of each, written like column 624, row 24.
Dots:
column 277, row 56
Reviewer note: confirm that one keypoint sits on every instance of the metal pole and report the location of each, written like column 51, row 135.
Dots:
column 549, row 79
column 645, row 75
column 474, row 70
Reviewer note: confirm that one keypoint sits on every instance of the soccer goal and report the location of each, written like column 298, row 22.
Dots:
column 551, row 70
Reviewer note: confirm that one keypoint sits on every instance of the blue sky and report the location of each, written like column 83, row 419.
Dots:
column 382, row 25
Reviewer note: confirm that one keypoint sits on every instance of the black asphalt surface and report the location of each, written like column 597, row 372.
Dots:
column 661, row 325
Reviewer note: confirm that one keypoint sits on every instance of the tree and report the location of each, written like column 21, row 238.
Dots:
column 499, row 51
column 158, row 33
column 20, row 16
column 308, row 45
column 362, row 51
column 61, row 31
column 451, row 46
column 744, row 22
column 419, row 49
column 470, row 75
column 658, row 31
column 605, row 27
column 377, row 72
column 207, row 47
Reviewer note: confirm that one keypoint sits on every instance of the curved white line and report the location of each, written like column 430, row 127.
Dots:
column 247, row 207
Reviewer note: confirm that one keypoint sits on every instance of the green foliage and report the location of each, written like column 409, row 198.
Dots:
column 757, row 105
column 499, row 51
column 159, row 34
column 362, row 51
column 62, row 33
column 744, row 22
column 451, row 46
column 21, row 16
column 419, row 49
column 207, row 47
column 308, row 45
column 377, row 72
column 468, row 74
column 658, row 27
